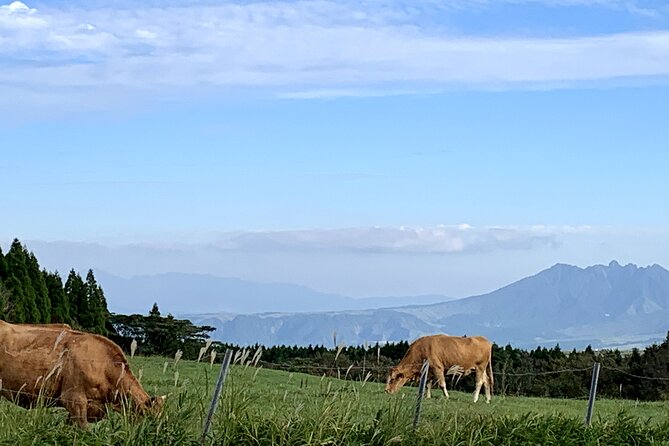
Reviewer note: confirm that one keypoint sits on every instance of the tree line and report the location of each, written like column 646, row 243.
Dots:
column 545, row 372
column 29, row 294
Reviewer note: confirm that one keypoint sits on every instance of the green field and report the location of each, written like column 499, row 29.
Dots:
column 264, row 407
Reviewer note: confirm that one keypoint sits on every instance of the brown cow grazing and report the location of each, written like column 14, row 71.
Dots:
column 445, row 353
column 81, row 372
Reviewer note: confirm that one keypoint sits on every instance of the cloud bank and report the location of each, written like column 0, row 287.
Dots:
column 301, row 49
column 401, row 240
column 454, row 260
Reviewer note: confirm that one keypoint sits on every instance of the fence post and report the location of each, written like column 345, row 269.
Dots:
column 217, row 393
column 593, row 393
column 421, row 391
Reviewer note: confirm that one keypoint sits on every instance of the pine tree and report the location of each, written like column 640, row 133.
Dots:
column 155, row 312
column 15, row 307
column 23, row 295
column 97, row 305
column 4, row 293
column 4, row 301
column 3, row 266
column 41, row 291
column 60, row 304
column 75, row 291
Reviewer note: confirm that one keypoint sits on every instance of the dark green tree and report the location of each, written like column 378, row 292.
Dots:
column 23, row 296
column 75, row 291
column 39, row 287
column 159, row 335
column 3, row 266
column 155, row 312
column 4, row 301
column 97, row 313
column 4, row 293
column 60, row 305
column 15, row 306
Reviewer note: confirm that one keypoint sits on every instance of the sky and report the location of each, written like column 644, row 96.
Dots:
column 359, row 147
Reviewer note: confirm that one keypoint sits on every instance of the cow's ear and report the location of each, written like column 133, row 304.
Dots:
column 399, row 375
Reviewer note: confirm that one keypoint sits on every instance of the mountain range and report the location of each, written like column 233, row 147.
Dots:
column 182, row 293
column 605, row 306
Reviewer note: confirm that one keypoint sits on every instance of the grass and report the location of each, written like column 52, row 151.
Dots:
column 267, row 407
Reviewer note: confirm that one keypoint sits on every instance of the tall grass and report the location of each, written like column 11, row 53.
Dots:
column 268, row 407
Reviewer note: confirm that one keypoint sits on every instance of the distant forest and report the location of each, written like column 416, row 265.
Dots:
column 29, row 294
column 545, row 372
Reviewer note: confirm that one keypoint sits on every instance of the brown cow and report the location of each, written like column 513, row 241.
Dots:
column 81, row 372
column 444, row 353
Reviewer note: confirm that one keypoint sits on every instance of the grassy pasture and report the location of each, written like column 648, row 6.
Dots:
column 264, row 407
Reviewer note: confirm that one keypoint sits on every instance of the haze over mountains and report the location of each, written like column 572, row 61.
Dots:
column 602, row 305
column 191, row 293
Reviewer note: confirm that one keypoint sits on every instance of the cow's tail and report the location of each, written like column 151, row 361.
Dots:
column 491, row 380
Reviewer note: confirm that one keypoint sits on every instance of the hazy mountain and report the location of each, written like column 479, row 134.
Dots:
column 181, row 293
column 602, row 305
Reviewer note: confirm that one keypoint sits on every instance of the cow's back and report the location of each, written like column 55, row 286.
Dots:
column 446, row 351
column 421, row 349
column 466, row 352
column 31, row 360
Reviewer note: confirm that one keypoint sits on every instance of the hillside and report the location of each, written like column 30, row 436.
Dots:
column 601, row 305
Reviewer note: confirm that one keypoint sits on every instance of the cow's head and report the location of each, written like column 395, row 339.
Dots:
column 396, row 379
column 156, row 403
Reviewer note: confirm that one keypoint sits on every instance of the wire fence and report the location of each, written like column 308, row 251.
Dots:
column 372, row 370
column 43, row 391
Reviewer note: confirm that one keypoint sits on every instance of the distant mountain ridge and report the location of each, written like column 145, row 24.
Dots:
column 181, row 293
column 601, row 305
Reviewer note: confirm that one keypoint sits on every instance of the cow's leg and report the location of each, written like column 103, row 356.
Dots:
column 481, row 378
column 77, row 406
column 487, row 383
column 442, row 384
column 95, row 411
column 439, row 375
column 428, row 394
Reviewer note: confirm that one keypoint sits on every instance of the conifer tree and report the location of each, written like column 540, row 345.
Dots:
column 39, row 287
column 4, row 301
column 3, row 266
column 97, row 305
column 15, row 307
column 23, row 295
column 4, row 293
column 155, row 312
column 75, row 291
column 60, row 305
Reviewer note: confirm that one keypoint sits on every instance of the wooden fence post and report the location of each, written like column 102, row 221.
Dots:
column 593, row 393
column 421, row 391
column 217, row 393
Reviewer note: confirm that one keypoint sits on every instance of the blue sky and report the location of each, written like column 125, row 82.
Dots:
column 356, row 147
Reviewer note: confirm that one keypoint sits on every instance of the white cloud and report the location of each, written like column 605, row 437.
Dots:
column 17, row 15
column 17, row 8
column 145, row 34
column 301, row 50
column 401, row 240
